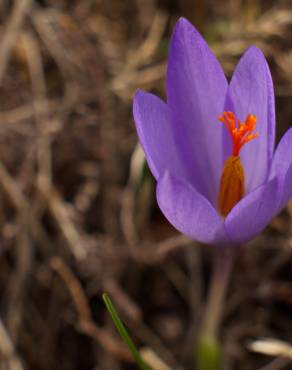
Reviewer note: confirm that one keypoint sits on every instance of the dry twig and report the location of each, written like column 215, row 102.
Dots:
column 20, row 9
column 7, row 350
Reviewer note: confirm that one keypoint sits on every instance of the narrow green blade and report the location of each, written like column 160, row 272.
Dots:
column 123, row 333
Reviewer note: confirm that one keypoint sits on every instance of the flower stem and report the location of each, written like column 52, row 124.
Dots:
column 208, row 350
column 215, row 301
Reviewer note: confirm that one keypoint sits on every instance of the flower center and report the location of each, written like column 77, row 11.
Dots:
column 232, row 184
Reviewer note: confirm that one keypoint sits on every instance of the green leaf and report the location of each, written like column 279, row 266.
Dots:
column 123, row 333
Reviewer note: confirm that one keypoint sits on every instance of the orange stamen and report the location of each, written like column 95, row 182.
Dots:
column 240, row 132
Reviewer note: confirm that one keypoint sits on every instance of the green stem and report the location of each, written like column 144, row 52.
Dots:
column 208, row 349
column 215, row 302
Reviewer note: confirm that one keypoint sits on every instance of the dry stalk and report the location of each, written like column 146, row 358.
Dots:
column 41, row 107
column 61, row 215
column 153, row 360
column 19, row 277
column 85, row 322
column 148, row 48
column 22, row 206
column 19, row 11
column 7, row 350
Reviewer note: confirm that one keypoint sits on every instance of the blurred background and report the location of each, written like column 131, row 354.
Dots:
column 77, row 203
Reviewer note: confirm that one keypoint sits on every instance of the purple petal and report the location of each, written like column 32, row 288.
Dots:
column 282, row 166
column 156, row 134
column 251, row 91
column 287, row 188
column 196, row 91
column 189, row 212
column 252, row 214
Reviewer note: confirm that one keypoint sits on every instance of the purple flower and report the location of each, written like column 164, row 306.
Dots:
column 209, row 186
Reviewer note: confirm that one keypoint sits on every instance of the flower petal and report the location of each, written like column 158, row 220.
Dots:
column 189, row 212
column 196, row 91
column 155, row 131
column 282, row 166
column 252, row 214
column 287, row 188
column 251, row 91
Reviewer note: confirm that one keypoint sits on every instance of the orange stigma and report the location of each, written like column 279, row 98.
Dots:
column 232, row 182
column 240, row 132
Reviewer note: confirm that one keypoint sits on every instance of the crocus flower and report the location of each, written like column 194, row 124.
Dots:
column 211, row 145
